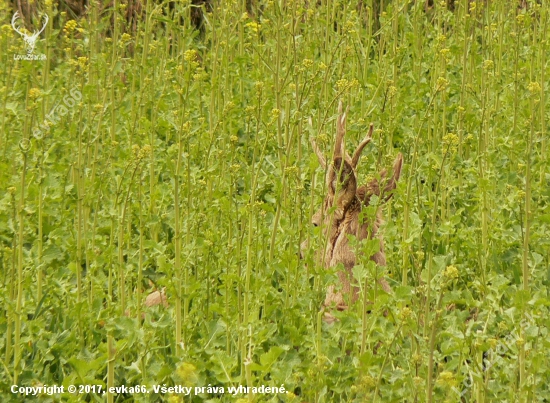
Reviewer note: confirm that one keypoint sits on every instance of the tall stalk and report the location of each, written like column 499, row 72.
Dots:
column 11, row 277
column 24, row 146
column 111, row 352
column 177, row 242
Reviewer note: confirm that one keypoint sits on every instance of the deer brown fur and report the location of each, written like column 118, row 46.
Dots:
column 339, row 215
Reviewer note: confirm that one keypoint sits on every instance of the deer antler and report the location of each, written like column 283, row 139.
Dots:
column 359, row 149
column 339, row 147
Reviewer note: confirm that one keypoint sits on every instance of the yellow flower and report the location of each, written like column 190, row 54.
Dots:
column 450, row 139
column 520, row 342
column 190, row 55
column 446, row 378
column 349, row 27
column 82, row 61
column 200, row 75
column 34, row 93
column 253, row 26
column 186, row 127
column 229, row 106
column 342, row 84
column 187, row 373
column 291, row 170
column 442, row 83
column 451, row 272
column 534, row 87
column 368, row 382
column 406, row 312
column 323, row 138
column 488, row 64
column 145, row 151
column 70, row 26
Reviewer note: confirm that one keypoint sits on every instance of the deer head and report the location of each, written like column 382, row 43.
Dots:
column 339, row 215
column 30, row 40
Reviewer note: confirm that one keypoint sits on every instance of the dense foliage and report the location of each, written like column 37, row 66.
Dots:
column 146, row 155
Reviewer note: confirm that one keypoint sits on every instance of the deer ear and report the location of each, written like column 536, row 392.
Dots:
column 392, row 183
column 388, row 186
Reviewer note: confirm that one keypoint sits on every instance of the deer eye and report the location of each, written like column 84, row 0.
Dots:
column 315, row 224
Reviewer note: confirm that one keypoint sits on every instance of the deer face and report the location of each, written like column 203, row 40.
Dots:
column 339, row 215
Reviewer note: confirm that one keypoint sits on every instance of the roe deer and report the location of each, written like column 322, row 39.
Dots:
column 339, row 215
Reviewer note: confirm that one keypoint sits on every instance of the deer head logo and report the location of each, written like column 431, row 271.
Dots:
column 340, row 214
column 30, row 40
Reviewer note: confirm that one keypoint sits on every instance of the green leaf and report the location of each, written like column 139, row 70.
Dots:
column 269, row 358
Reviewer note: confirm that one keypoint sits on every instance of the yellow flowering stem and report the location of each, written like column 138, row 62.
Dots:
column 24, row 146
column 431, row 346
column 408, row 197
column 182, row 275
column 40, row 273
column 79, row 217
column 255, row 172
column 141, row 253
column 111, row 352
column 121, row 268
column 364, row 319
column 427, row 306
column 430, row 243
column 113, row 75
column 388, row 349
column 19, row 301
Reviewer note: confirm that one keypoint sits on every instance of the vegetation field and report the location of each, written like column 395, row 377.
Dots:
column 160, row 149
